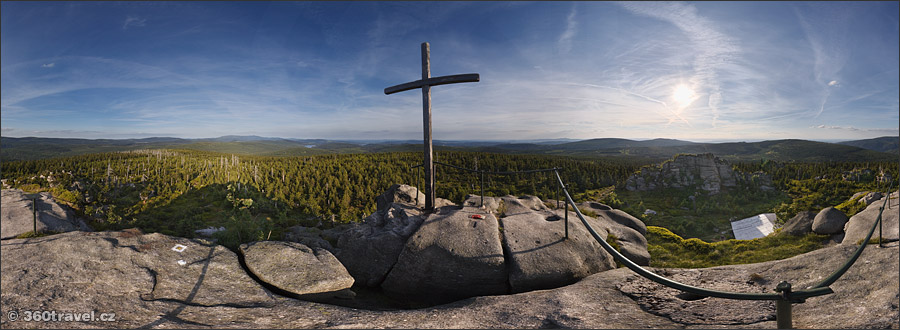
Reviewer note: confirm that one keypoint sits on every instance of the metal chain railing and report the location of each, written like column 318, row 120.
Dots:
column 783, row 297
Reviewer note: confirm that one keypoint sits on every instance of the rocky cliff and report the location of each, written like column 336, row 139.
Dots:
column 704, row 172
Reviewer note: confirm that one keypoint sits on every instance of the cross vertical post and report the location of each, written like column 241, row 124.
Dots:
column 426, row 123
column 425, row 84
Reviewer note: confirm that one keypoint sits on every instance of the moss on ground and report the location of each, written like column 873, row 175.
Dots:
column 668, row 250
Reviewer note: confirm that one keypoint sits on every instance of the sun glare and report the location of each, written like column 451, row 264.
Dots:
column 683, row 96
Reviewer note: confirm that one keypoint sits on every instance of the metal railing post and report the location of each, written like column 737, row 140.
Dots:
column 783, row 307
column 482, row 189
column 880, row 238
column 34, row 215
column 557, row 190
column 567, row 220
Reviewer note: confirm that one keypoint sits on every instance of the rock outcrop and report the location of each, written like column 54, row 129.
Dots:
column 829, row 221
column 539, row 255
column 870, row 197
column 400, row 193
column 451, row 256
column 370, row 250
column 296, row 268
column 800, row 224
column 859, row 224
column 17, row 217
column 139, row 278
column 512, row 244
column 311, row 237
column 704, row 172
column 628, row 231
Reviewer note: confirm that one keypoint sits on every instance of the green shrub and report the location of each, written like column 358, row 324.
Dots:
column 243, row 228
column 613, row 241
column 851, row 207
column 663, row 234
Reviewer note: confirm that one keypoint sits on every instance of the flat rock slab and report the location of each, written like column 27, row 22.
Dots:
column 144, row 279
column 16, row 215
column 296, row 268
column 865, row 297
column 451, row 256
column 212, row 291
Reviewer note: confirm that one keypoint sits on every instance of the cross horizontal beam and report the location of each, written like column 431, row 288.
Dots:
column 436, row 81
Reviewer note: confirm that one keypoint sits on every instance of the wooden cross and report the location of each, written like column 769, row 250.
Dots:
column 425, row 84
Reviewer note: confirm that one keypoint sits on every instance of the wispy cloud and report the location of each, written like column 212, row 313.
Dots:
column 713, row 48
column 825, row 30
column 135, row 21
column 48, row 65
column 565, row 39
column 893, row 131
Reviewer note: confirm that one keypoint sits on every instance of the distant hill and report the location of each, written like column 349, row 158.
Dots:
column 649, row 150
column 889, row 144
column 780, row 150
column 30, row 148
column 610, row 143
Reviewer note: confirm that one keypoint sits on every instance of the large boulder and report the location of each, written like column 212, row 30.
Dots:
column 16, row 215
column 829, row 221
column 538, row 252
column 451, row 256
column 614, row 215
column 800, row 224
column 859, row 224
column 466, row 251
column 632, row 244
column 370, row 250
column 296, row 268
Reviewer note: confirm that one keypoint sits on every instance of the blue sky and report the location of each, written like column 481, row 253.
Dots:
column 727, row 71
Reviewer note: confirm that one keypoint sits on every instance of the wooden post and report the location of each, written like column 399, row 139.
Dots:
column 783, row 317
column 426, row 123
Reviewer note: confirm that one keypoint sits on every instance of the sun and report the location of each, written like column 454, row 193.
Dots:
column 683, row 96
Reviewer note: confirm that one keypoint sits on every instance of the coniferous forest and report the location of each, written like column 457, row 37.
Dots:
column 176, row 192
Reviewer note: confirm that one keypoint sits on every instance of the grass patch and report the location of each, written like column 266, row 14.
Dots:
column 668, row 250
column 587, row 212
column 694, row 214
